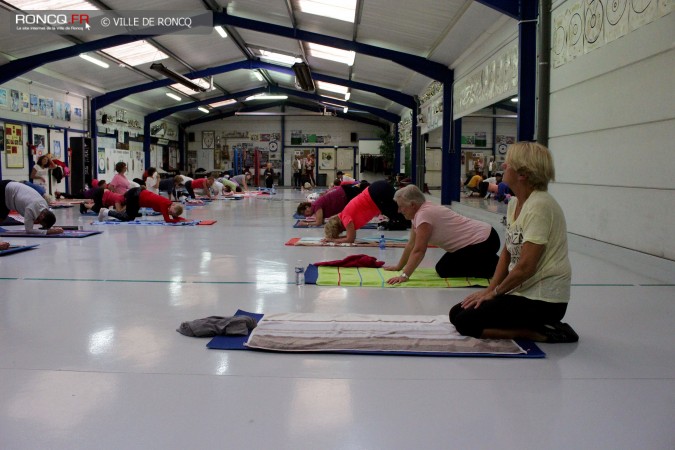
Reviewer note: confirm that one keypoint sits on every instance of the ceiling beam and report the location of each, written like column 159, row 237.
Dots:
column 431, row 69
column 509, row 7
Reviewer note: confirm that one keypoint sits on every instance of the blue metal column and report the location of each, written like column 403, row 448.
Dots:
column 457, row 147
column 146, row 138
column 283, row 149
column 31, row 161
column 66, row 159
column 527, row 69
column 452, row 154
column 414, row 134
column 181, row 149
column 397, row 152
column 93, row 110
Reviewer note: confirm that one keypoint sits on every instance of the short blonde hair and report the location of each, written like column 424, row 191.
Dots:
column 533, row 160
column 333, row 227
column 177, row 209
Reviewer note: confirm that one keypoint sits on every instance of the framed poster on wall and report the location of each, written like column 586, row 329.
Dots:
column 208, row 139
column 14, row 146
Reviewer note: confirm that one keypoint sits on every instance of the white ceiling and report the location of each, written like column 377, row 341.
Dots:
column 437, row 30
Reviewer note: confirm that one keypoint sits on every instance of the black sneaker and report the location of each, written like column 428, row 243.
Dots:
column 559, row 333
column 83, row 209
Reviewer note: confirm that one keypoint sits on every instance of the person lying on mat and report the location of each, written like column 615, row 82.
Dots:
column 136, row 198
column 15, row 196
column 377, row 198
column 227, row 187
column 471, row 245
column 103, row 198
column 529, row 291
column 327, row 205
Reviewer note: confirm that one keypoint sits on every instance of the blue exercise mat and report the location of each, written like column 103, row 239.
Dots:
column 17, row 248
column 237, row 343
column 188, row 223
column 65, row 234
column 233, row 342
column 148, row 212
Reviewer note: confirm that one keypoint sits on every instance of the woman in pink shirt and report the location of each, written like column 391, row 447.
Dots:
column 471, row 245
column 119, row 183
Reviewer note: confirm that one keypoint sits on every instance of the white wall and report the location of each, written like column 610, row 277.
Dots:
column 612, row 135
column 338, row 129
column 42, row 123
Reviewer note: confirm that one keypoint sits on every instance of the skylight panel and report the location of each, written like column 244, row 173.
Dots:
column 136, row 53
column 344, row 10
column 330, row 87
column 187, row 91
column 223, row 103
column 332, row 54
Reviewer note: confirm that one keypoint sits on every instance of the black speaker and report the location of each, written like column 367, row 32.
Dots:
column 191, row 136
column 354, row 137
column 104, row 118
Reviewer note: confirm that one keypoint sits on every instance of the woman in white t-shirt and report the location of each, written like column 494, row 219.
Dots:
column 152, row 181
column 528, row 295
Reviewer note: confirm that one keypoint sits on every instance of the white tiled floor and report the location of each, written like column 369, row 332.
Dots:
column 89, row 355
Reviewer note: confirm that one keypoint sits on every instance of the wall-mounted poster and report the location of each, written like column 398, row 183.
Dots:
column 3, row 98
column 25, row 103
column 15, row 101
column 13, row 146
column 33, row 104
column 327, row 159
column 66, row 112
column 56, row 148
column 208, row 139
column 40, row 143
column 78, row 113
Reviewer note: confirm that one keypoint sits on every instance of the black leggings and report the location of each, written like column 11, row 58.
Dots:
column 4, row 210
column 382, row 194
column 132, row 197
column 506, row 312
column 477, row 260
column 191, row 192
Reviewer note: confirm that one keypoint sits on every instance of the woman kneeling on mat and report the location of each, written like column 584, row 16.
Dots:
column 140, row 197
column 378, row 198
column 528, row 295
column 471, row 245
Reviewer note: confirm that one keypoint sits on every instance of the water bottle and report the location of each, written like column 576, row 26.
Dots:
column 144, row 212
column 299, row 273
column 274, row 189
column 383, row 242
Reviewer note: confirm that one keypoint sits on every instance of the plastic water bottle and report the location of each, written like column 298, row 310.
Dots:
column 299, row 273
column 274, row 189
column 144, row 212
column 383, row 242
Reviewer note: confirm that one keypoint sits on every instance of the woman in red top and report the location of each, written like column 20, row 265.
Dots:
column 137, row 198
column 378, row 198
column 200, row 183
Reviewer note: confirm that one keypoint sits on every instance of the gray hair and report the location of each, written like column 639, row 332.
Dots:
column 409, row 195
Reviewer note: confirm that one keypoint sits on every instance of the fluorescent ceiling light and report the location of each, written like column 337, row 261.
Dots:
column 345, row 110
column 336, row 9
column 333, row 104
column 98, row 62
column 173, row 96
column 202, row 109
column 136, row 53
column 332, row 54
column 41, row 5
column 267, row 97
column 278, row 57
column 348, row 96
column 514, row 99
column 330, row 87
column 223, row 103
column 221, row 31
column 258, row 75
column 187, row 91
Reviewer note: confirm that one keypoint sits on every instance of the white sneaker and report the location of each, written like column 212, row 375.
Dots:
column 102, row 214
